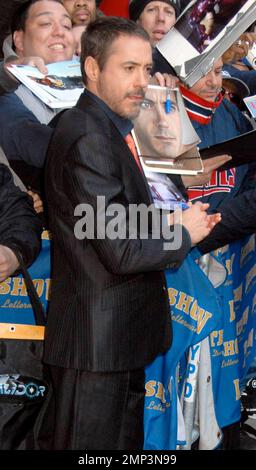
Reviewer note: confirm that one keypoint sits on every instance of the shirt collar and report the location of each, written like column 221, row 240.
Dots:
column 123, row 125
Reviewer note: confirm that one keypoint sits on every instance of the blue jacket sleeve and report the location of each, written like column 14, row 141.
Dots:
column 20, row 130
column 7, row 83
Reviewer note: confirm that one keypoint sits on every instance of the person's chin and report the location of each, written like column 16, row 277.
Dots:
column 129, row 112
column 167, row 150
column 58, row 57
column 209, row 97
column 156, row 37
column 81, row 18
column 163, row 152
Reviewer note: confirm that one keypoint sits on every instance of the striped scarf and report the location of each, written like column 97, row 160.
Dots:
column 198, row 109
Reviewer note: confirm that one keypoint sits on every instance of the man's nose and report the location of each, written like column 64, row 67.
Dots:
column 142, row 79
column 160, row 116
column 212, row 79
column 160, row 16
column 80, row 3
column 58, row 29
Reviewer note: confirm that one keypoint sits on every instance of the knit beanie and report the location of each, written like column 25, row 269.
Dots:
column 136, row 7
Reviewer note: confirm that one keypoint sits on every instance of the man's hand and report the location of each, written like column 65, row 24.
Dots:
column 33, row 61
column 213, row 219
column 210, row 164
column 8, row 262
column 37, row 202
column 197, row 222
column 164, row 79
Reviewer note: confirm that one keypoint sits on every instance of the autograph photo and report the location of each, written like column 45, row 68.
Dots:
column 166, row 141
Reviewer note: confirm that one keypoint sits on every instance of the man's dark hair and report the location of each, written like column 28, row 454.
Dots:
column 19, row 18
column 97, row 39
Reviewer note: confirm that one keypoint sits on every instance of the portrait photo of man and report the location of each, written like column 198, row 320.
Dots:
column 162, row 129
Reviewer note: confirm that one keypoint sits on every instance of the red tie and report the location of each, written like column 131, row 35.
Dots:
column 131, row 144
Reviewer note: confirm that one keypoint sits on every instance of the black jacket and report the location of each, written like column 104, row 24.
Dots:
column 109, row 306
column 238, row 220
column 20, row 227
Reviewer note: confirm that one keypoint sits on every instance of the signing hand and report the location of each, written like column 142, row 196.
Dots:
column 197, row 222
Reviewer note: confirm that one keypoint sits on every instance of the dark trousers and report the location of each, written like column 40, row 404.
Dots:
column 94, row 411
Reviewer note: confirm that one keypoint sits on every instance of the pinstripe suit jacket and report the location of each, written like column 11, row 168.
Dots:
column 109, row 307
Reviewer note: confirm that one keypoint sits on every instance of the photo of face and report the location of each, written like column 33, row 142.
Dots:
column 205, row 19
column 158, row 126
column 164, row 136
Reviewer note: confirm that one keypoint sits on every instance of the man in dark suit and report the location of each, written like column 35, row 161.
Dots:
column 109, row 310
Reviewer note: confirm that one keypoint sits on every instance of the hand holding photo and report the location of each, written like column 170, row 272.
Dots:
column 60, row 88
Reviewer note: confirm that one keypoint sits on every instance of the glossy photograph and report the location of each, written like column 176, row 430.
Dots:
column 165, row 138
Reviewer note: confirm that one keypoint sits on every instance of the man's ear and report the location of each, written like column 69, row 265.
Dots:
column 91, row 69
column 18, row 40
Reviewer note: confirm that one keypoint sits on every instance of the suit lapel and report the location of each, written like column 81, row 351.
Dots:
column 138, row 175
column 83, row 103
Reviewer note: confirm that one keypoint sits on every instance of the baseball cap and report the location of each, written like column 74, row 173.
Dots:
column 242, row 89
